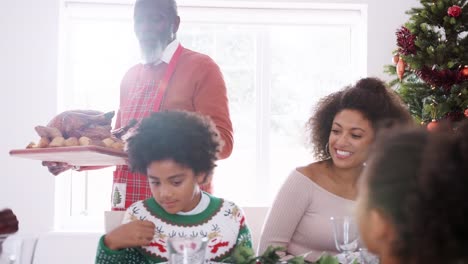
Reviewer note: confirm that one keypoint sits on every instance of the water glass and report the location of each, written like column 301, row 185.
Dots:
column 367, row 257
column 345, row 234
column 187, row 250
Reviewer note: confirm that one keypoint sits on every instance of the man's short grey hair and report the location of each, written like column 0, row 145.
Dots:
column 171, row 5
column 172, row 8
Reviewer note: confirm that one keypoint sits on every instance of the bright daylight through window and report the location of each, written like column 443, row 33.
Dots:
column 277, row 59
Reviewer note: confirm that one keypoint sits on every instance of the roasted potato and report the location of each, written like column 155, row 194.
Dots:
column 57, row 142
column 108, row 142
column 85, row 141
column 43, row 142
column 71, row 141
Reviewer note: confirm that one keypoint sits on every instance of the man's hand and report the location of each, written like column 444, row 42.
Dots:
column 56, row 167
column 133, row 234
column 8, row 222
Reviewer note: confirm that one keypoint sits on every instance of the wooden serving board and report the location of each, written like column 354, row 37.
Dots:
column 76, row 155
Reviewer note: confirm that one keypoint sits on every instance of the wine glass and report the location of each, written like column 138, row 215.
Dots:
column 187, row 250
column 346, row 235
column 367, row 257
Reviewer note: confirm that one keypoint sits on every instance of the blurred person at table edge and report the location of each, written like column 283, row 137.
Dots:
column 412, row 204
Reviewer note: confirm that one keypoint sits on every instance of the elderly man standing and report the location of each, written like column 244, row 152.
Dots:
column 170, row 77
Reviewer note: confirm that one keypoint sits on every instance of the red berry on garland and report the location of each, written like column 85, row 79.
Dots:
column 466, row 112
column 432, row 125
column 395, row 59
column 454, row 11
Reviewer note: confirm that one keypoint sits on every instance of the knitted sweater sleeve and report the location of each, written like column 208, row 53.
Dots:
column 104, row 255
column 244, row 237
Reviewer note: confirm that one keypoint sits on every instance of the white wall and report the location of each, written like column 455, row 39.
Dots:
column 384, row 18
column 28, row 74
column 28, row 66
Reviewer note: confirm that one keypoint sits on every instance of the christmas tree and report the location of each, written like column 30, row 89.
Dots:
column 431, row 61
column 117, row 199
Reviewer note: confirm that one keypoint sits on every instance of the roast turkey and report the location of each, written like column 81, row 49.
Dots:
column 79, row 123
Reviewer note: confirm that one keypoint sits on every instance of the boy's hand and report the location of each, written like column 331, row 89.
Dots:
column 133, row 234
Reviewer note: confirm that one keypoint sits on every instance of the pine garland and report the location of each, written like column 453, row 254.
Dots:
column 432, row 61
column 245, row 255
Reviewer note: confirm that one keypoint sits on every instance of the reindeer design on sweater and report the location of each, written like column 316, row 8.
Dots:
column 159, row 240
column 215, row 239
column 236, row 214
column 222, row 225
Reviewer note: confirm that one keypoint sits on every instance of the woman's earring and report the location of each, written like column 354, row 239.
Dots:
column 327, row 150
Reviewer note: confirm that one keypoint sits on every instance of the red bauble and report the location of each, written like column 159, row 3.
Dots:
column 466, row 112
column 464, row 71
column 400, row 68
column 454, row 11
column 432, row 125
column 395, row 59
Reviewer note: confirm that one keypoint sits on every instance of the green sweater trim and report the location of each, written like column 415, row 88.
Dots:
column 109, row 251
column 184, row 220
column 126, row 253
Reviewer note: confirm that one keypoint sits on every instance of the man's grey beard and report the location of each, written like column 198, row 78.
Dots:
column 152, row 54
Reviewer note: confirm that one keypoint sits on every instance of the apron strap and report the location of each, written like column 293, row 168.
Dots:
column 165, row 80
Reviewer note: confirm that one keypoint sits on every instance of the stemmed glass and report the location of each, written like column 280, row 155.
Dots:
column 187, row 250
column 346, row 235
column 367, row 257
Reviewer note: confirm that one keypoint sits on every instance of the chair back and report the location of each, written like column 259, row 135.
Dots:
column 255, row 217
column 112, row 219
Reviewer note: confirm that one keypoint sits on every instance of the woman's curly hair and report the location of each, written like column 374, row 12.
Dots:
column 419, row 180
column 187, row 138
column 370, row 96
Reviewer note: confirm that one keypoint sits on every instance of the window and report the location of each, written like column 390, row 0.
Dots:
column 277, row 59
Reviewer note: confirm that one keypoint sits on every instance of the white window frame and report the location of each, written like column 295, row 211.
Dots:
column 253, row 12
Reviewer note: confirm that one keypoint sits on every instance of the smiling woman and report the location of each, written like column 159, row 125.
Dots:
column 350, row 136
column 342, row 131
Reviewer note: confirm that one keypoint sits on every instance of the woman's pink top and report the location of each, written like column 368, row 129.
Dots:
column 299, row 218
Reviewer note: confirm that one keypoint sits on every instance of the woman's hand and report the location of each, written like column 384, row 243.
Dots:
column 133, row 234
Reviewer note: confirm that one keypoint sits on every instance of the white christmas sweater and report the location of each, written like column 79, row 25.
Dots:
column 222, row 222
